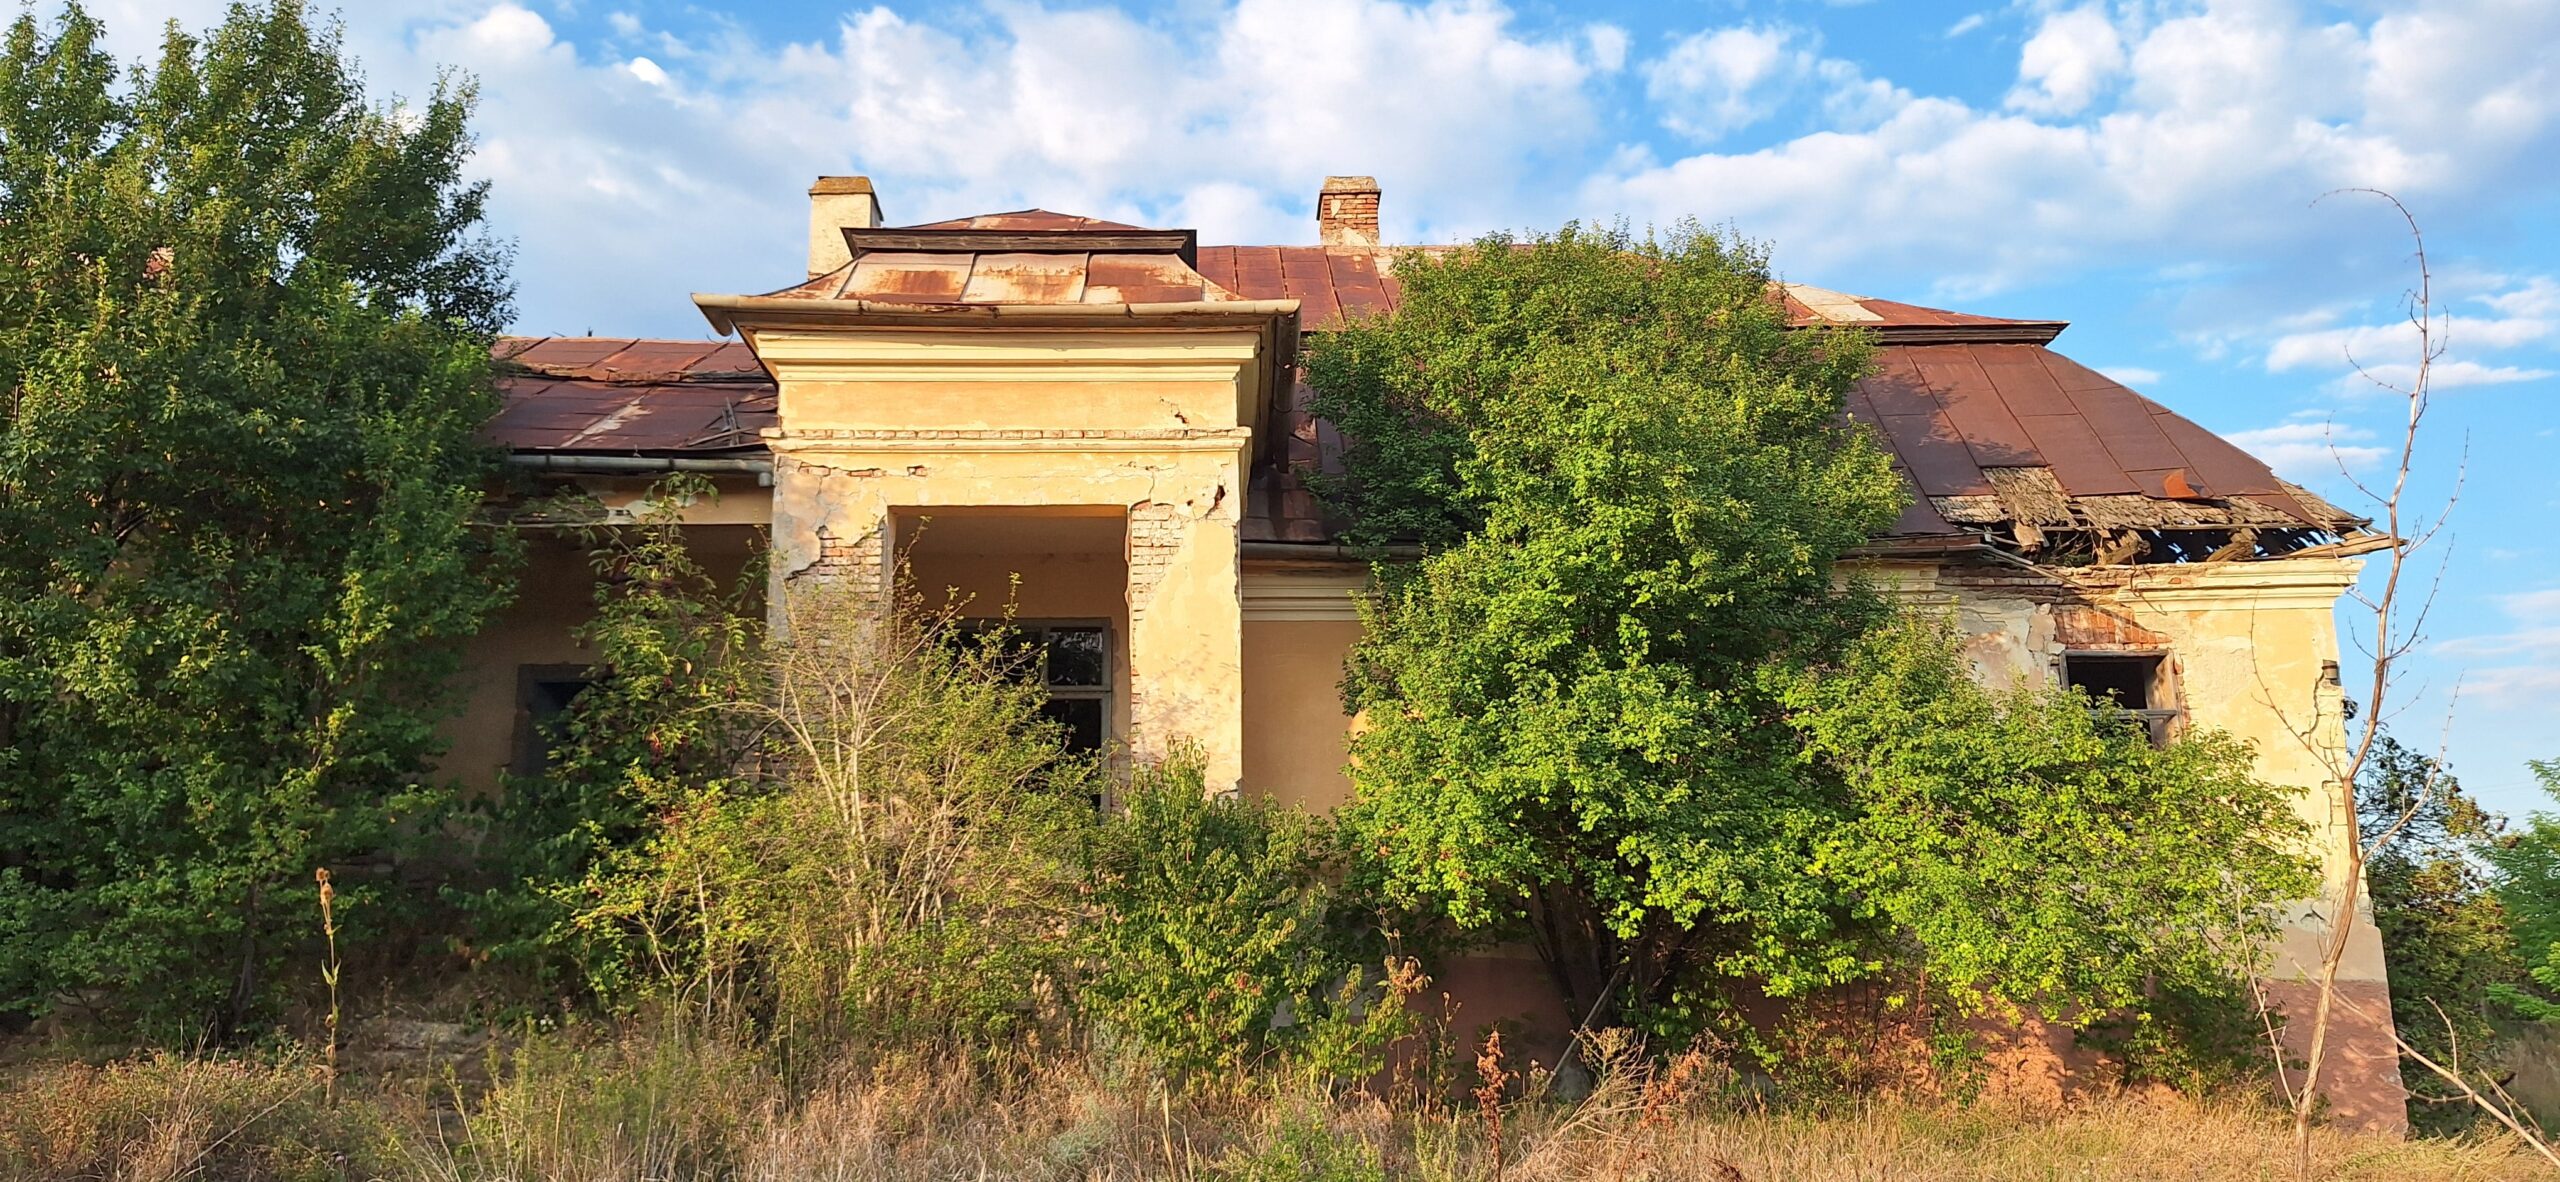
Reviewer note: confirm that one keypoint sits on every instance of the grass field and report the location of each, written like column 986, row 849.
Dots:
column 655, row 1106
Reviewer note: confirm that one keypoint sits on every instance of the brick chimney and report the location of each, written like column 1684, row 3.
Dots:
column 836, row 202
column 1347, row 211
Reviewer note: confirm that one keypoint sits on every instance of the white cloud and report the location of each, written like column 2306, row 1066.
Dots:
column 2306, row 451
column 2073, row 55
column 1608, row 46
column 2131, row 375
column 2443, row 375
column 628, row 180
column 2530, row 605
column 1719, row 81
column 2195, row 137
column 2513, row 687
column 2531, row 675
column 2538, row 300
column 2375, row 358
column 1967, row 25
column 2202, row 136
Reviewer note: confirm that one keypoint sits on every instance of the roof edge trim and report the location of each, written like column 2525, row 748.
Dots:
column 2024, row 332
column 725, row 311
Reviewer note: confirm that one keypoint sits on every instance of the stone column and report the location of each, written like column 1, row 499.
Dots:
column 1186, row 635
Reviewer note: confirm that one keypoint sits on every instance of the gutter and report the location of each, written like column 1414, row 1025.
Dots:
column 585, row 465
column 1323, row 552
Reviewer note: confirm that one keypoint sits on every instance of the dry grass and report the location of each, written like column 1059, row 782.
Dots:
column 641, row 1106
column 168, row 1118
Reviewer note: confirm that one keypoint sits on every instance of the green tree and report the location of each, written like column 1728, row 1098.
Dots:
column 2445, row 934
column 1630, row 706
column 2528, row 886
column 244, row 339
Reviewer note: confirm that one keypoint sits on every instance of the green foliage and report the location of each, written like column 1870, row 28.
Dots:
column 2019, row 846
column 1300, row 1147
column 677, row 666
column 1629, row 708
column 893, row 864
column 1212, row 945
column 245, row 337
column 2528, row 887
column 2444, row 931
column 1571, row 728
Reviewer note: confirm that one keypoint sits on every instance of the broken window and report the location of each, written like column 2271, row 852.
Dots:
column 544, row 694
column 1072, row 659
column 2134, row 684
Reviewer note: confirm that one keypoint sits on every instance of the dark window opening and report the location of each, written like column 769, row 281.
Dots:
column 544, row 694
column 2129, row 682
column 1073, row 661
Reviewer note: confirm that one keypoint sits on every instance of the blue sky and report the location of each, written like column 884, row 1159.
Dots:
column 2144, row 169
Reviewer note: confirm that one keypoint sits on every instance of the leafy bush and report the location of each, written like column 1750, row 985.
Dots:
column 1213, row 945
column 2528, row 865
column 2445, row 932
column 1300, row 1147
column 2012, row 846
column 678, row 651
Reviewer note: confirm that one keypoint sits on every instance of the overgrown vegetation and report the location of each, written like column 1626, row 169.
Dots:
column 245, row 335
column 833, row 901
column 1631, row 709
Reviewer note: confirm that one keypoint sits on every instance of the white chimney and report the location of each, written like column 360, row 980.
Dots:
column 836, row 202
column 1347, row 211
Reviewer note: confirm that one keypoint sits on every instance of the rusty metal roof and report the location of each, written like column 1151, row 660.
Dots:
column 1025, row 219
column 1013, row 277
column 1334, row 283
column 1030, row 258
column 600, row 395
column 2000, row 437
column 2003, row 436
column 1991, row 436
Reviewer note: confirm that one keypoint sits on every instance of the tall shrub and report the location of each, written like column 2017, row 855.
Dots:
column 892, row 863
column 244, row 334
column 1632, row 707
column 1220, row 942
column 678, row 664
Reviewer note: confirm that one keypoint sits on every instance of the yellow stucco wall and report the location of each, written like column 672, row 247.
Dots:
column 1296, row 736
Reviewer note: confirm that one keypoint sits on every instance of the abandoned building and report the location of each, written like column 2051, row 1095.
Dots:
column 1106, row 420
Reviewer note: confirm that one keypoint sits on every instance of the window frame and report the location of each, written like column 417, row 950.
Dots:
column 2162, row 716
column 1038, row 628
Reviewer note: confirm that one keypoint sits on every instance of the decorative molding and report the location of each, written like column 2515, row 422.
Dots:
column 1100, row 354
column 837, row 442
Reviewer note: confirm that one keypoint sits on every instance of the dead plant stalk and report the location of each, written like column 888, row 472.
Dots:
column 2397, row 630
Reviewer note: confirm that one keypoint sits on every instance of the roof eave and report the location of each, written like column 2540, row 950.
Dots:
column 2023, row 332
